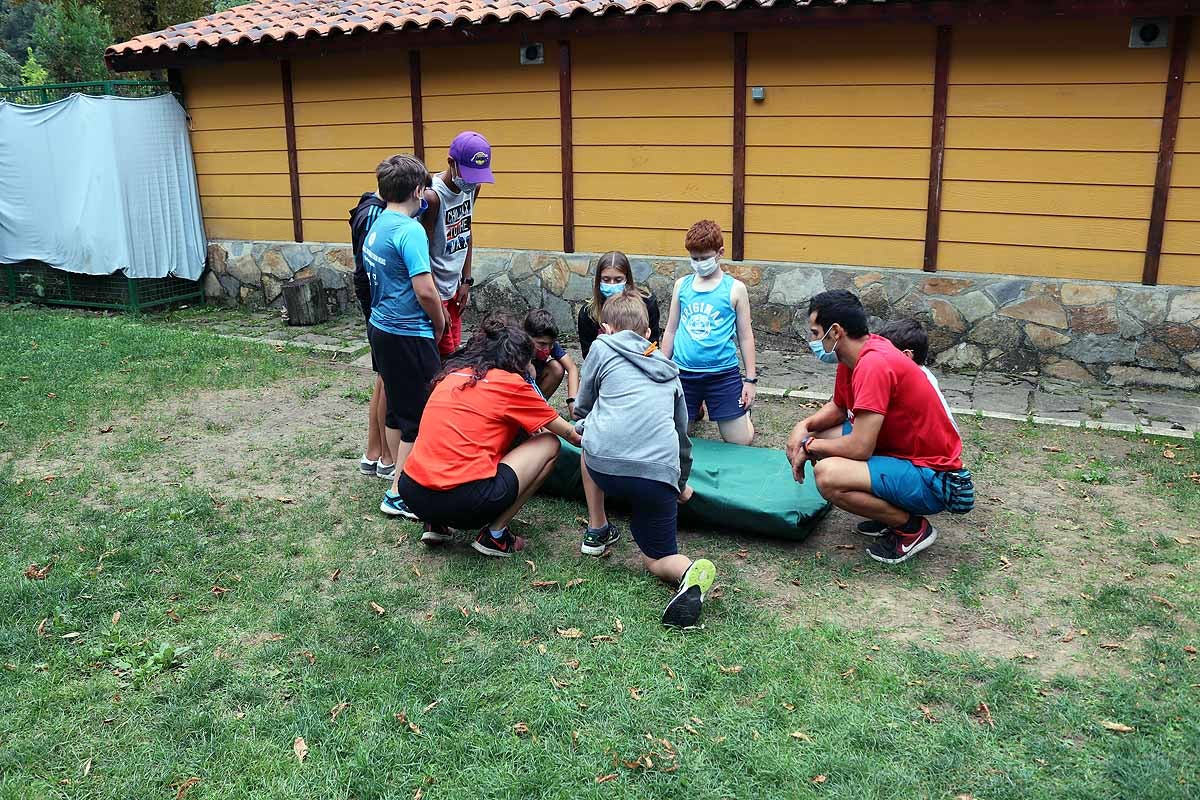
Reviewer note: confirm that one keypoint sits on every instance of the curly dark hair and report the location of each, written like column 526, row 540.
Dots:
column 500, row 343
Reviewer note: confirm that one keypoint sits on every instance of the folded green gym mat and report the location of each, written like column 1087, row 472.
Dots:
column 743, row 489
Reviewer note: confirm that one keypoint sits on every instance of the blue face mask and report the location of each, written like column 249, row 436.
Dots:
column 611, row 289
column 424, row 207
column 818, row 350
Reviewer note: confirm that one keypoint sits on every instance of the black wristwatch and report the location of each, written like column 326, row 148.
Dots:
column 750, row 380
column 469, row 281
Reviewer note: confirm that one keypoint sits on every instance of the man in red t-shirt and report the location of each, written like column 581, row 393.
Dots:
column 883, row 447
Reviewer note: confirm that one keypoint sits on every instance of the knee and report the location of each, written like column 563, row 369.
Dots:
column 824, row 474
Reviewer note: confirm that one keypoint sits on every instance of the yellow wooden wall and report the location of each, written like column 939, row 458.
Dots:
column 837, row 155
column 1052, row 140
column 352, row 111
column 653, row 136
column 240, row 150
column 1180, row 262
column 485, row 88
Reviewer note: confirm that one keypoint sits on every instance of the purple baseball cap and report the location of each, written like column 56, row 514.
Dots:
column 473, row 155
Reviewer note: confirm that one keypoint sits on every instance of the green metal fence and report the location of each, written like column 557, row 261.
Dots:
column 49, row 92
column 35, row 282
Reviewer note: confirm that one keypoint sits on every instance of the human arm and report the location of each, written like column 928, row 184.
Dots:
column 859, row 445
column 431, row 302
column 685, row 444
column 428, row 220
column 652, row 313
column 560, row 427
column 588, row 329
column 745, row 337
column 668, row 337
column 589, row 388
column 826, row 417
column 463, row 295
column 572, row 371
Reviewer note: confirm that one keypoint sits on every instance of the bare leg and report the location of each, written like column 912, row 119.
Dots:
column 402, row 449
column 386, row 451
column 669, row 568
column 375, row 438
column 737, row 431
column 597, row 519
column 551, row 378
column 533, row 461
column 847, row 484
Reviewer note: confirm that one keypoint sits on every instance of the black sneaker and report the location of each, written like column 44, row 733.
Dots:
column 896, row 548
column 869, row 527
column 503, row 547
column 436, row 534
column 596, row 542
column 684, row 609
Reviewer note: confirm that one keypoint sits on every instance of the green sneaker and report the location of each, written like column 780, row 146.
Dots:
column 596, row 542
column 684, row 609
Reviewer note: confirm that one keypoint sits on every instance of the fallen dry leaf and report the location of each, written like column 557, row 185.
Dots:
column 636, row 693
column 575, row 582
column 312, row 660
column 572, row 663
column 337, row 573
column 845, row 547
column 542, row 649
column 338, row 709
column 300, row 748
column 1051, row 448
column 1162, row 601
column 1181, row 540
column 463, row 610
column 819, row 779
column 603, row 638
column 218, row 591
column 412, row 726
column 1168, row 454
column 742, row 554
column 285, row 499
column 542, row 584
column 927, row 712
column 984, row 714
column 569, row 633
column 430, row 707
column 378, row 609
column 416, row 571
column 35, row 573
column 801, row 735
column 532, row 566
column 1116, row 727
column 183, row 787
column 401, row 717
column 173, row 615
column 606, row 778
column 1112, row 645
column 87, row 768
column 1189, row 649
column 788, row 706
column 521, row 729
column 1069, row 636
column 419, row 793
column 618, row 626
column 730, row 670
column 558, row 684
column 116, row 617
column 670, row 672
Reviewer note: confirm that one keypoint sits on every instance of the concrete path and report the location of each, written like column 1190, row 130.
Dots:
column 790, row 373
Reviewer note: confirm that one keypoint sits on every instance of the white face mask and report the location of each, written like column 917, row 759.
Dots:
column 705, row 266
column 457, row 182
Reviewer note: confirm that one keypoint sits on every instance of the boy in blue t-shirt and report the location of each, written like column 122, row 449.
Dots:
column 709, row 322
column 407, row 319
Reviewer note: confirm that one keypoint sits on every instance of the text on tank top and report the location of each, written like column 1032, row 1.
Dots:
column 451, row 235
column 706, row 340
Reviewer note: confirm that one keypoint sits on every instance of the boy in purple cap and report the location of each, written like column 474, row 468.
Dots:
column 452, row 201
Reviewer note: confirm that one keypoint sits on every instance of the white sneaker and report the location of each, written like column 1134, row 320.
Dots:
column 366, row 466
column 385, row 471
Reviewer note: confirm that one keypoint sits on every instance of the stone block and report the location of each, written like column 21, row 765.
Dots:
column 500, row 294
column 963, row 356
column 1044, row 338
column 213, row 289
column 996, row 332
column 245, row 270
column 272, row 288
column 564, row 315
column 671, row 267
column 1016, row 360
column 797, row 286
column 1087, row 294
column 1092, row 349
column 1140, row 376
column 273, row 264
column 520, row 264
column 217, row 258
column 530, row 288
column 748, row 274
column 340, row 258
column 1068, row 370
column 1128, row 327
column 946, row 286
column 554, row 277
column 1056, row 403
column 772, row 318
column 974, row 306
column 297, row 256
column 1145, row 304
column 1094, row 319
column 642, row 268
column 1185, row 308
column 579, row 288
column 946, row 315
column 487, row 263
column 258, row 248
column 875, row 300
column 867, row 278
column 231, row 286
column 581, row 264
column 1005, row 292
column 1153, row 354
column 1193, row 360
column 1043, row 310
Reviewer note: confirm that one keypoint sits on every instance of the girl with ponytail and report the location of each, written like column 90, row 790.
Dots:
column 463, row 471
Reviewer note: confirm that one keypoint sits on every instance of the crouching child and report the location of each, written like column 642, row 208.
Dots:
column 636, row 449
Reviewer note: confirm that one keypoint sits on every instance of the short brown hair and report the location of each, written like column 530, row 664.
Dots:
column 626, row 312
column 705, row 235
column 398, row 176
column 540, row 322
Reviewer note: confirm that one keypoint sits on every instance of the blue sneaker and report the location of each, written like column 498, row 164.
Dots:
column 394, row 506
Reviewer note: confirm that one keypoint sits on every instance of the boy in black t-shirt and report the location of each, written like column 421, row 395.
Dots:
column 550, row 361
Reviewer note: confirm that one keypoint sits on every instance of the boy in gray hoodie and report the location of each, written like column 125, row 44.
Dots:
column 636, row 448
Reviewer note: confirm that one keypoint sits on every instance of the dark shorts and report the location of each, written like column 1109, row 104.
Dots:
column 654, row 510
column 362, row 292
column 407, row 364
column 471, row 505
column 721, row 393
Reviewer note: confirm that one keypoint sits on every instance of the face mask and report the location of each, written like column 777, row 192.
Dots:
column 705, row 266
column 610, row 289
column 818, row 350
column 457, row 183
column 422, row 209
column 541, row 353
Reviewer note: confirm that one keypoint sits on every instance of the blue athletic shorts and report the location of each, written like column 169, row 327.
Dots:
column 917, row 490
column 721, row 393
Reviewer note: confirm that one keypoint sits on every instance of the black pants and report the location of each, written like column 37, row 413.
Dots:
column 407, row 364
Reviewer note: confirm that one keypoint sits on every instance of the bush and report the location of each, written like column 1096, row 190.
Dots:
column 70, row 40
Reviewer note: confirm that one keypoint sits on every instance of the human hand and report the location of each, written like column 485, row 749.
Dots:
column 571, row 410
column 748, row 392
column 795, row 441
column 574, row 437
column 798, row 466
column 463, row 296
column 686, row 494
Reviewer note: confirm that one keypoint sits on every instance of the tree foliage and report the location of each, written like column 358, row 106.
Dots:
column 32, row 72
column 16, row 25
column 70, row 39
column 132, row 18
column 10, row 70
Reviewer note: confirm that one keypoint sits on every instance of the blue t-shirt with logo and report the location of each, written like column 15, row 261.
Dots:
column 395, row 251
column 706, row 340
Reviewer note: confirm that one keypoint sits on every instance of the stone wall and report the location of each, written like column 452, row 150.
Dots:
column 1122, row 334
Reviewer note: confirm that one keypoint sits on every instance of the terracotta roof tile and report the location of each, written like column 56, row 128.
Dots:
column 273, row 20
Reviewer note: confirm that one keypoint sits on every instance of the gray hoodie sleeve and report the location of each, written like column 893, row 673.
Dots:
column 685, row 443
column 589, row 380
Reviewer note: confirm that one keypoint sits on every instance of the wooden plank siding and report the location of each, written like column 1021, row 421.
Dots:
column 485, row 88
column 1052, row 141
column 352, row 112
column 240, row 150
column 1180, row 262
column 837, row 160
column 653, row 135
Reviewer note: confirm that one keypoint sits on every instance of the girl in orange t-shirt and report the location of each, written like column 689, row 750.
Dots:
column 463, row 471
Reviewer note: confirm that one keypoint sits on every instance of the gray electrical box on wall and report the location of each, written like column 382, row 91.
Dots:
column 1149, row 32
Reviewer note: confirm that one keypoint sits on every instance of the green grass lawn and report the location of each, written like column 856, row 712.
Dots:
column 195, row 578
